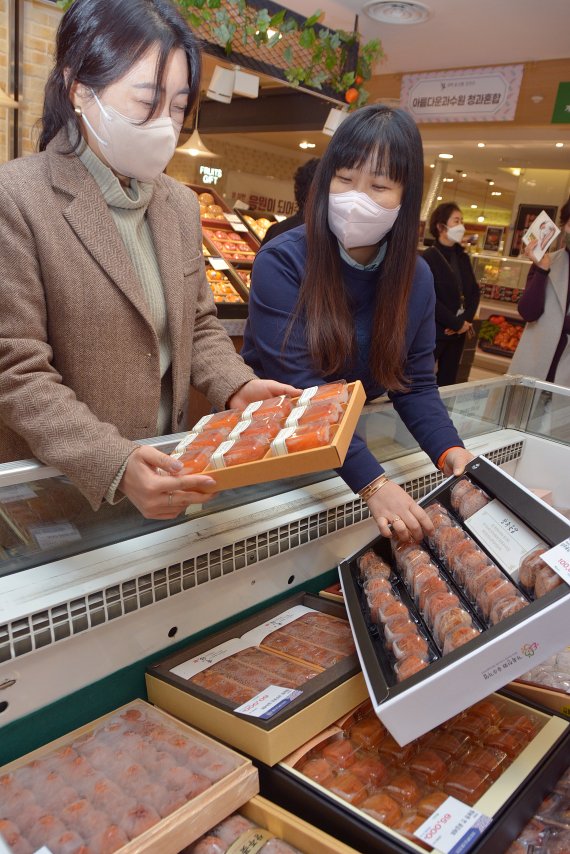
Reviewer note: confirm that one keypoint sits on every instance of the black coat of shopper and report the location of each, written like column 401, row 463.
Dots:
column 452, row 274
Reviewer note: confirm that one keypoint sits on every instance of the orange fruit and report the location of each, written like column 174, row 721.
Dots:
column 351, row 95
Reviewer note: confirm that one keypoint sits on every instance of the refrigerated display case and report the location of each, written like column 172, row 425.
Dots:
column 88, row 600
column 501, row 281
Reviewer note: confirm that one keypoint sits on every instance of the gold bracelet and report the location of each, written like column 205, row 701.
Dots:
column 373, row 487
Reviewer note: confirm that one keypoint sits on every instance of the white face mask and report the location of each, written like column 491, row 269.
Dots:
column 455, row 233
column 135, row 151
column 358, row 221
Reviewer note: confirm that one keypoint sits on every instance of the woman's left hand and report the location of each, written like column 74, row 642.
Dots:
column 260, row 390
column 456, row 460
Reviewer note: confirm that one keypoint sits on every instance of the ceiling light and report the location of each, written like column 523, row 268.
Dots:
column 496, row 193
column 473, row 206
column 195, row 147
column 390, row 12
column 491, row 183
column 464, row 174
column 334, row 119
column 559, row 145
column 480, row 145
column 439, row 198
column 516, row 170
column 221, row 86
column 306, row 144
column 7, row 101
column 445, row 156
column 432, row 166
column 480, row 219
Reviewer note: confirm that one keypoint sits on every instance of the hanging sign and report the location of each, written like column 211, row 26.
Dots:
column 468, row 95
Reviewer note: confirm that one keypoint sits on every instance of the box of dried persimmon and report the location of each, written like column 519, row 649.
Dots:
column 267, row 683
column 438, row 625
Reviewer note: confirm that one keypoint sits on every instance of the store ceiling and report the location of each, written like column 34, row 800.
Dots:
column 458, row 34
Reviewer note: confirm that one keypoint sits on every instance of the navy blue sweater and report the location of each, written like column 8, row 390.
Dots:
column 277, row 274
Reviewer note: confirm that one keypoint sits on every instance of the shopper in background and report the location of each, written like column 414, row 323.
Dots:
column 543, row 351
column 303, row 178
column 106, row 316
column 347, row 296
column 456, row 290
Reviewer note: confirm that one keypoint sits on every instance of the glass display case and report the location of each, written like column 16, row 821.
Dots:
column 88, row 598
column 500, row 278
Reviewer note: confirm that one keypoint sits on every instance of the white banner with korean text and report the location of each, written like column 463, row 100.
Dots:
column 465, row 95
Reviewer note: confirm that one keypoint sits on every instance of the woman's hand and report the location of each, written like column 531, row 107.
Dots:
column 544, row 262
column 396, row 513
column 154, row 483
column 260, row 390
column 456, row 460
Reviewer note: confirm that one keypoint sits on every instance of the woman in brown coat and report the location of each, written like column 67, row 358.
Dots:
column 106, row 316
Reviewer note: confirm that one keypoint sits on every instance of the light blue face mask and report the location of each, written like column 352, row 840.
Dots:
column 133, row 150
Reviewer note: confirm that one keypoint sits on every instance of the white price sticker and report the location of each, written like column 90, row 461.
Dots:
column 239, row 226
column 506, row 538
column 218, row 263
column 232, row 217
column 50, row 536
column 19, row 492
column 558, row 558
column 267, row 703
column 453, row 828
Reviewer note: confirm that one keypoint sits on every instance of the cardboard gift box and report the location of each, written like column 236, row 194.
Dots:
column 272, row 467
column 505, row 529
column 135, row 776
column 283, row 825
column 509, row 796
column 276, row 720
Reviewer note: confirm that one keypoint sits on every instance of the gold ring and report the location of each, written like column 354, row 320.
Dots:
column 170, row 499
column 395, row 519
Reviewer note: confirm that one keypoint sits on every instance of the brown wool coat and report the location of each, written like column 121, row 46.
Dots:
column 79, row 358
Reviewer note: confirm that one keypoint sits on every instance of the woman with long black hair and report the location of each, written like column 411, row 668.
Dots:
column 106, row 317
column 346, row 296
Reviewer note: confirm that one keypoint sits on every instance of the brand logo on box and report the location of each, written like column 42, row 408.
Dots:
column 529, row 649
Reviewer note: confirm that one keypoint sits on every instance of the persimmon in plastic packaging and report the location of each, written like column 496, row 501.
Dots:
column 260, row 428
column 367, row 733
column 529, row 566
column 349, row 787
column 340, row 753
column 467, row 784
column 281, row 405
column 238, row 451
column 489, row 760
column 383, row 808
column 431, row 803
column 336, row 392
column 411, row 644
column 546, row 580
column 404, row 789
column 195, row 461
column 371, row 565
column 319, row 770
column 330, row 412
column 293, row 439
column 206, row 439
column 430, row 765
column 409, row 666
column 372, row 771
column 459, row 636
column 217, row 420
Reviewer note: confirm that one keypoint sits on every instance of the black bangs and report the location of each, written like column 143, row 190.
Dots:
column 378, row 135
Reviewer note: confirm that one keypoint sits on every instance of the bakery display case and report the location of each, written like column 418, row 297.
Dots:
column 90, row 600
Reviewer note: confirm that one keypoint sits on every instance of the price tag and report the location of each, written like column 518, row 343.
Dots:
column 50, row 536
column 19, row 492
column 218, row 263
column 232, row 217
column 267, row 703
column 453, row 828
column 506, row 538
column 558, row 558
column 239, row 226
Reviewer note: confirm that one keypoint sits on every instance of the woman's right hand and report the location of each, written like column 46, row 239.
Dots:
column 165, row 493
column 544, row 262
column 396, row 513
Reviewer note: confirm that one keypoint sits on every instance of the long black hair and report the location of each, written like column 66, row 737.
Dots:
column 98, row 41
column 390, row 141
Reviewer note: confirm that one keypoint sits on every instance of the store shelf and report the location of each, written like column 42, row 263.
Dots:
column 499, row 307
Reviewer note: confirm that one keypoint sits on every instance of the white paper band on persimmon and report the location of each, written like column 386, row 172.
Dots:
column 239, row 428
column 183, row 444
column 217, row 458
column 307, row 395
column 253, row 407
column 197, row 428
column 278, row 445
column 295, row 416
